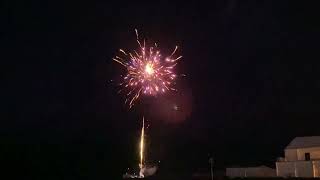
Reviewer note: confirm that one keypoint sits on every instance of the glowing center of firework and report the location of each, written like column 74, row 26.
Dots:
column 149, row 69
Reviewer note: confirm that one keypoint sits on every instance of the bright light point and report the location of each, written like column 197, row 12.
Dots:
column 149, row 69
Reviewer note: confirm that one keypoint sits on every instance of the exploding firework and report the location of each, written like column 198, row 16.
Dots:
column 147, row 71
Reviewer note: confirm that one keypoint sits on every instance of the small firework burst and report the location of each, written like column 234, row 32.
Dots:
column 147, row 71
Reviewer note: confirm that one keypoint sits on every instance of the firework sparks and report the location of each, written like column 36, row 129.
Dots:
column 142, row 147
column 147, row 71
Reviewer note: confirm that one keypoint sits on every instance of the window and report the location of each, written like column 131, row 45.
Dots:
column 307, row 156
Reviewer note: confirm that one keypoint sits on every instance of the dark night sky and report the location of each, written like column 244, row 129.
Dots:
column 252, row 84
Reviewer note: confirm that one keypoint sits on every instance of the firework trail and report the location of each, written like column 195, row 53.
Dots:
column 147, row 71
column 142, row 147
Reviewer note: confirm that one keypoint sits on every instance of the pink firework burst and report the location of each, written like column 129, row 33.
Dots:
column 147, row 71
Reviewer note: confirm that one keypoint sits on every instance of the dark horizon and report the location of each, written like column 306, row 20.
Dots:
column 252, row 85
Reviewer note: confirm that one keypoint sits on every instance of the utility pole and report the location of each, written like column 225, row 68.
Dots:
column 211, row 163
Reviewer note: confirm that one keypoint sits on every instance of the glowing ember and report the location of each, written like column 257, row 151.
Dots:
column 147, row 72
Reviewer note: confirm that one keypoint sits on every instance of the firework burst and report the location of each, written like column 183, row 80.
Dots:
column 147, row 71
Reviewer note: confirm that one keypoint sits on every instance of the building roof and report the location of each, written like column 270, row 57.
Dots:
column 304, row 142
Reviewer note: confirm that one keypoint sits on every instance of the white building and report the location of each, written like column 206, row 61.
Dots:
column 259, row 171
column 302, row 158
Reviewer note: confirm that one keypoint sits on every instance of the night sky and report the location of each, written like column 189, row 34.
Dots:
column 252, row 85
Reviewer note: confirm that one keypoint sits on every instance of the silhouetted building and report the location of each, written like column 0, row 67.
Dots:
column 302, row 158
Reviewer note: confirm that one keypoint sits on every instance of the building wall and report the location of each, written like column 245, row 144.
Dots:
column 235, row 172
column 298, row 169
column 285, row 169
column 291, row 154
column 304, row 169
column 251, row 172
column 316, row 168
column 299, row 154
column 260, row 172
column 314, row 153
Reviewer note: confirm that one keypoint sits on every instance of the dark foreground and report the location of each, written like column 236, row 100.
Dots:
column 221, row 178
